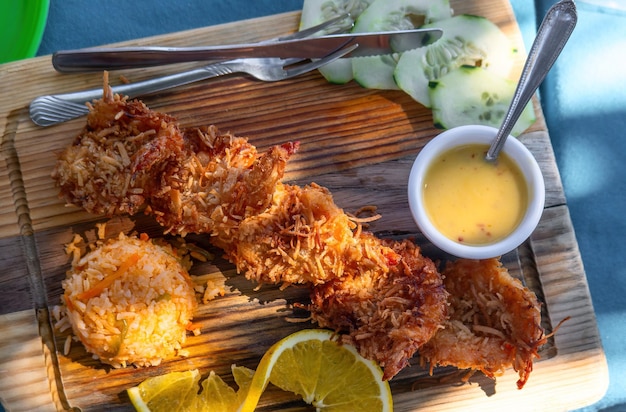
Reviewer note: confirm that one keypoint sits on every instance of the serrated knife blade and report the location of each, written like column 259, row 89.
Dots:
column 369, row 44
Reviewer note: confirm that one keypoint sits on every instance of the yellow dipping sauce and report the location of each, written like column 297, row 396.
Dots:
column 473, row 201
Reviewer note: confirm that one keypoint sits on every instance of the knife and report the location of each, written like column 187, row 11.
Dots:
column 369, row 44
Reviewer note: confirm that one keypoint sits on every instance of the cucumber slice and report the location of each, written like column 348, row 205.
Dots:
column 467, row 40
column 377, row 72
column 317, row 11
column 473, row 95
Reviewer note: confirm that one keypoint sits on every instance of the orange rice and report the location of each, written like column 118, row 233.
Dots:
column 129, row 301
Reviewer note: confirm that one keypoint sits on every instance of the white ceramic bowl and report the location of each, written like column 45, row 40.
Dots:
column 475, row 134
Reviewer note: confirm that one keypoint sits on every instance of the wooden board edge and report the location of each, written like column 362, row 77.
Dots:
column 26, row 383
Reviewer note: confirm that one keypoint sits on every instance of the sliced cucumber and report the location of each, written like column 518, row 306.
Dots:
column 377, row 72
column 318, row 11
column 401, row 14
column 473, row 95
column 467, row 40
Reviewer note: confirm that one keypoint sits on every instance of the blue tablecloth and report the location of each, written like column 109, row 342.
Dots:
column 584, row 99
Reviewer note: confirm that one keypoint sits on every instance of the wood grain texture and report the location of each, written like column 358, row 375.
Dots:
column 24, row 382
column 359, row 143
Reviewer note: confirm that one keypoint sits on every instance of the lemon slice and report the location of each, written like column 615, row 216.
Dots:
column 328, row 375
column 170, row 392
column 178, row 391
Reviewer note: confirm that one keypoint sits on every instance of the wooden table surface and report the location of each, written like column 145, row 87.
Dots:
column 359, row 143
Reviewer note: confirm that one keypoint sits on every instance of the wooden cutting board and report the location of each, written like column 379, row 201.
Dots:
column 359, row 143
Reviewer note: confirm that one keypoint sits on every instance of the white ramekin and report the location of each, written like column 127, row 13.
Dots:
column 475, row 134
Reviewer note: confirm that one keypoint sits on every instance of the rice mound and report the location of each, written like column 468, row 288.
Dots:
column 129, row 301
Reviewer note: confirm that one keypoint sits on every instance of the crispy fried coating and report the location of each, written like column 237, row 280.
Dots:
column 217, row 181
column 384, row 294
column 386, row 314
column 109, row 167
column 495, row 322
column 195, row 180
column 303, row 237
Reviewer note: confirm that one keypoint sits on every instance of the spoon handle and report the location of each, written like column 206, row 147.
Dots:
column 555, row 30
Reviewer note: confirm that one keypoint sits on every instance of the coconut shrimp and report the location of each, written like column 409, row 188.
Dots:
column 494, row 323
column 218, row 181
column 109, row 166
column 383, row 296
column 302, row 238
column 387, row 315
column 129, row 157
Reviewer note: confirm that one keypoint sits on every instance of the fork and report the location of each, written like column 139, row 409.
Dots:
column 53, row 109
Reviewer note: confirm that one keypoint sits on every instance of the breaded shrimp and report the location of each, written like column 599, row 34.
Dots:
column 117, row 154
column 495, row 322
column 196, row 180
column 303, row 237
column 217, row 181
column 386, row 314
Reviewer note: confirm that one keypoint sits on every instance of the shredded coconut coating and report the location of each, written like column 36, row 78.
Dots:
column 495, row 321
column 112, row 162
column 194, row 180
column 303, row 237
column 387, row 313
column 216, row 182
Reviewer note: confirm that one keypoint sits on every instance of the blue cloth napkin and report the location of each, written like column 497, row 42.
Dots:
column 584, row 101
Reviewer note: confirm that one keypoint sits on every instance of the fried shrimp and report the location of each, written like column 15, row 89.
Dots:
column 303, row 237
column 108, row 168
column 385, row 295
column 216, row 182
column 192, row 180
column 386, row 314
column 495, row 322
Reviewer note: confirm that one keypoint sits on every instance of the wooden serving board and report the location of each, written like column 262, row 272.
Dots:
column 359, row 143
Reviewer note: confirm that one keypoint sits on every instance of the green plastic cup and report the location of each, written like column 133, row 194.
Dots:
column 22, row 24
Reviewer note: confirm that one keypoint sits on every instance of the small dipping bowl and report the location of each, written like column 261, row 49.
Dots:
column 532, row 190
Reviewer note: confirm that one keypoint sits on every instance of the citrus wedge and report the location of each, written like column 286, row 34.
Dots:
column 178, row 391
column 328, row 375
column 170, row 392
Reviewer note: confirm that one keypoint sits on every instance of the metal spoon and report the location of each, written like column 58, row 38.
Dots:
column 552, row 35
